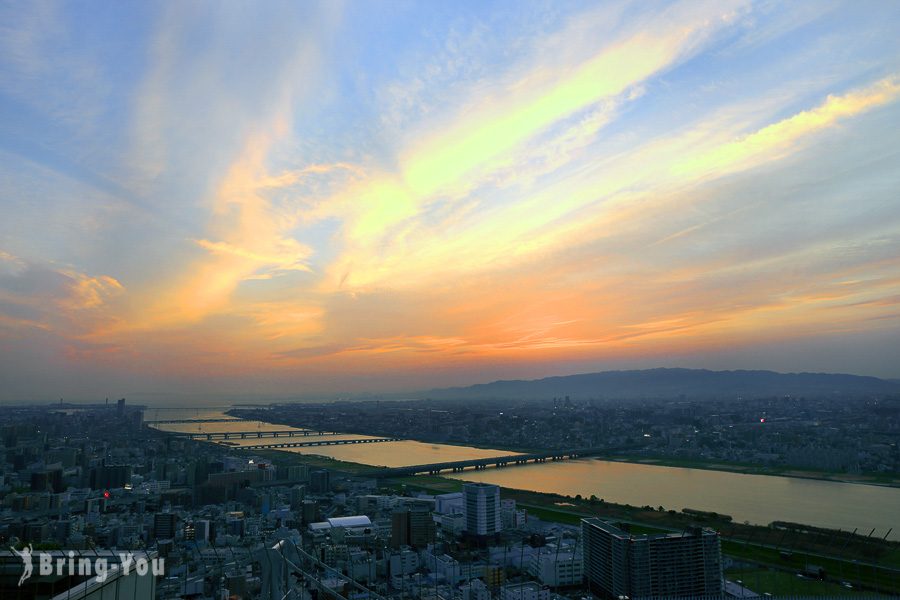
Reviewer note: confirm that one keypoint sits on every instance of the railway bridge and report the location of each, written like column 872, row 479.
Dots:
column 242, row 435
column 172, row 421
column 276, row 445
column 483, row 463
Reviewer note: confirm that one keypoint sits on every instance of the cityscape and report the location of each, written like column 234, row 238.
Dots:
column 264, row 502
column 469, row 300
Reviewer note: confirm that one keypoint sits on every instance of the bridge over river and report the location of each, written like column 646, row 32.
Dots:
column 175, row 421
column 242, row 435
column 317, row 443
column 483, row 463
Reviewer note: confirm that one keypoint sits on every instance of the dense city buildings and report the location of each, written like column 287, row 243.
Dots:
column 837, row 433
column 223, row 521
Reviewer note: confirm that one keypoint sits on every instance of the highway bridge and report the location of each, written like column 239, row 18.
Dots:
column 316, row 443
column 170, row 421
column 483, row 463
column 242, row 435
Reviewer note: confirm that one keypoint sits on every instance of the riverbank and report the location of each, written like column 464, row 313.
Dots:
column 869, row 563
column 868, row 478
column 880, row 479
column 313, row 461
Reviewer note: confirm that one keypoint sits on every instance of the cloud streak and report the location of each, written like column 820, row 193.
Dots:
column 308, row 198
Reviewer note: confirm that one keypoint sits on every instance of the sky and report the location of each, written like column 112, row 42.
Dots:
column 239, row 199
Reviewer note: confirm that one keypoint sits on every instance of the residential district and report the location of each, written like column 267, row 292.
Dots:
column 89, row 491
column 822, row 433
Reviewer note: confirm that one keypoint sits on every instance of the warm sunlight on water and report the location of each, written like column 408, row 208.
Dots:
column 400, row 454
column 759, row 499
column 386, row 454
column 237, row 425
column 159, row 414
column 162, row 414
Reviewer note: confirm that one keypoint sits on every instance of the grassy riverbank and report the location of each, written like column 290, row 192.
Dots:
column 781, row 583
column 314, row 461
column 884, row 479
column 771, row 555
column 871, row 564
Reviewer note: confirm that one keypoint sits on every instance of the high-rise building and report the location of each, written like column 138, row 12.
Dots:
column 320, row 482
column 202, row 530
column 412, row 525
column 293, row 473
column 400, row 527
column 110, row 476
column 618, row 564
column 421, row 526
column 482, row 508
column 309, row 511
column 510, row 516
column 198, row 472
column 39, row 481
column 298, row 493
column 164, row 526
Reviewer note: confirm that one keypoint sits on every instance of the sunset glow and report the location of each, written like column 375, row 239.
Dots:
column 329, row 198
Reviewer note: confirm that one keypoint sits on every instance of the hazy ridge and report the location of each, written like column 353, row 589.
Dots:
column 672, row 383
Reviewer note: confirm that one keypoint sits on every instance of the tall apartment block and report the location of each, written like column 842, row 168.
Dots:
column 618, row 564
column 482, row 508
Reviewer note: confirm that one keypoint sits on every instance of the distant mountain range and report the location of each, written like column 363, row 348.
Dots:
column 672, row 383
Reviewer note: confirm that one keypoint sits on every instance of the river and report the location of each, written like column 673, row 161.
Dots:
column 382, row 454
column 759, row 499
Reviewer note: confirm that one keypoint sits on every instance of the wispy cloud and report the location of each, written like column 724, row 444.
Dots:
column 378, row 195
column 772, row 142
